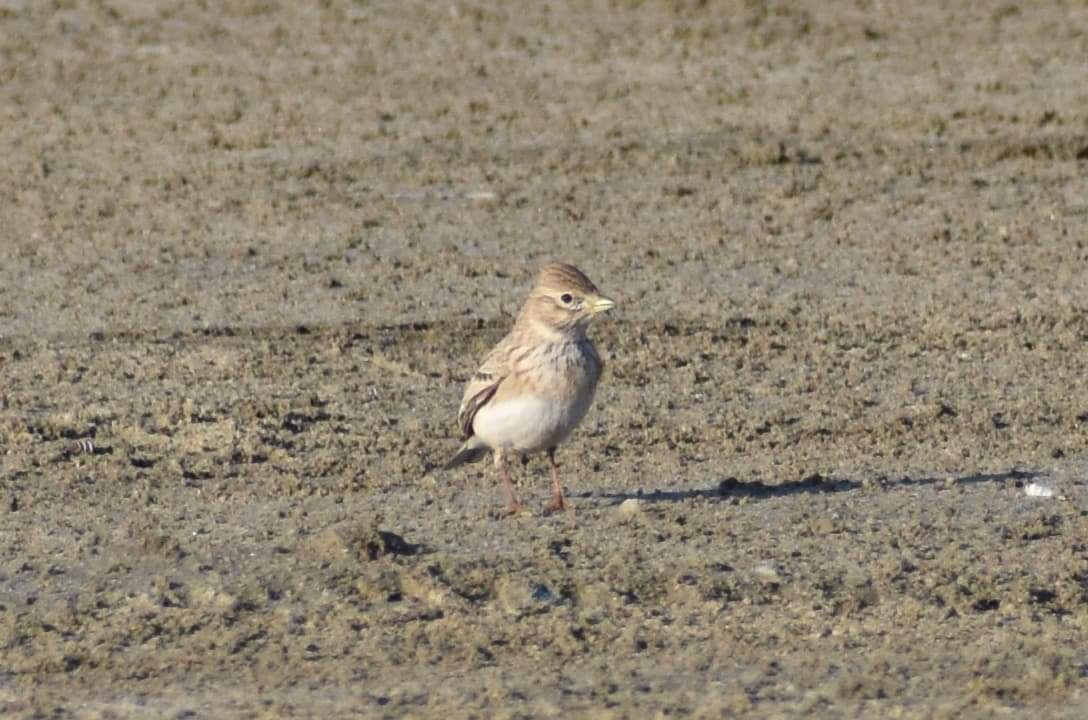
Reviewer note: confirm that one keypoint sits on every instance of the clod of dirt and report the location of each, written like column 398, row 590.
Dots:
column 515, row 596
column 768, row 572
column 359, row 541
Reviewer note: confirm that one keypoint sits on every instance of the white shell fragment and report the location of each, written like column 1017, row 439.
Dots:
column 480, row 196
column 1038, row 490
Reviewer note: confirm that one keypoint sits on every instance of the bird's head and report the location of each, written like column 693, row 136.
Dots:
column 563, row 301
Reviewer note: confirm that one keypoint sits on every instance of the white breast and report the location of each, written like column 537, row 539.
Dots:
column 521, row 423
column 544, row 415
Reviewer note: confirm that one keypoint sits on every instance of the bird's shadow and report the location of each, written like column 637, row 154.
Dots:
column 731, row 487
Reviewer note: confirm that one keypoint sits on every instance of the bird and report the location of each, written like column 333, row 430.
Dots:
column 535, row 386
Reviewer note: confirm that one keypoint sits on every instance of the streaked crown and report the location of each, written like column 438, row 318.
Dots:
column 560, row 276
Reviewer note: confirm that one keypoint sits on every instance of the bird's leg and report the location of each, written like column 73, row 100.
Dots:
column 513, row 502
column 558, row 501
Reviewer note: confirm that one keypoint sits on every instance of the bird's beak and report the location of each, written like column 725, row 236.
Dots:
column 600, row 304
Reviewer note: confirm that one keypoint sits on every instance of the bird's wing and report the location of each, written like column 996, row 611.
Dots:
column 483, row 385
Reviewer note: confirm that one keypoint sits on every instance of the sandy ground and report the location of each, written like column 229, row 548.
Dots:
column 252, row 254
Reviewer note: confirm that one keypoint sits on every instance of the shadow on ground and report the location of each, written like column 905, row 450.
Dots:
column 732, row 487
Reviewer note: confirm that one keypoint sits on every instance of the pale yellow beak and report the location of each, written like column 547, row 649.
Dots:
column 600, row 304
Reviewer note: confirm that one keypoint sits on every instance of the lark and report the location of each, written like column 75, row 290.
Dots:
column 536, row 385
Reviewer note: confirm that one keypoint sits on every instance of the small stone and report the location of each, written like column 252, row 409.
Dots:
column 768, row 572
column 629, row 508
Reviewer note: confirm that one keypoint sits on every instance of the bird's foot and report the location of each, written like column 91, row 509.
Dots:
column 559, row 504
column 514, row 505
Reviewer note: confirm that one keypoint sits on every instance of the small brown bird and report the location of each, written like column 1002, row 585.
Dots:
column 536, row 385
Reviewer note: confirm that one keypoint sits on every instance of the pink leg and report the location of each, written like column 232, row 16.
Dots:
column 559, row 502
column 513, row 502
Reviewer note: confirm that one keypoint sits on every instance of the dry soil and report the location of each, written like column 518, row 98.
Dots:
column 251, row 251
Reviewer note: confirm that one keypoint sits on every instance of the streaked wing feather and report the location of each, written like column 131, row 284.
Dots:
column 482, row 387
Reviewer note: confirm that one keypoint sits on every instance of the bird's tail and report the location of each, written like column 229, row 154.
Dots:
column 472, row 451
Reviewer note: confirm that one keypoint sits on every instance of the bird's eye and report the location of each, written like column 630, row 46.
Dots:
column 567, row 298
